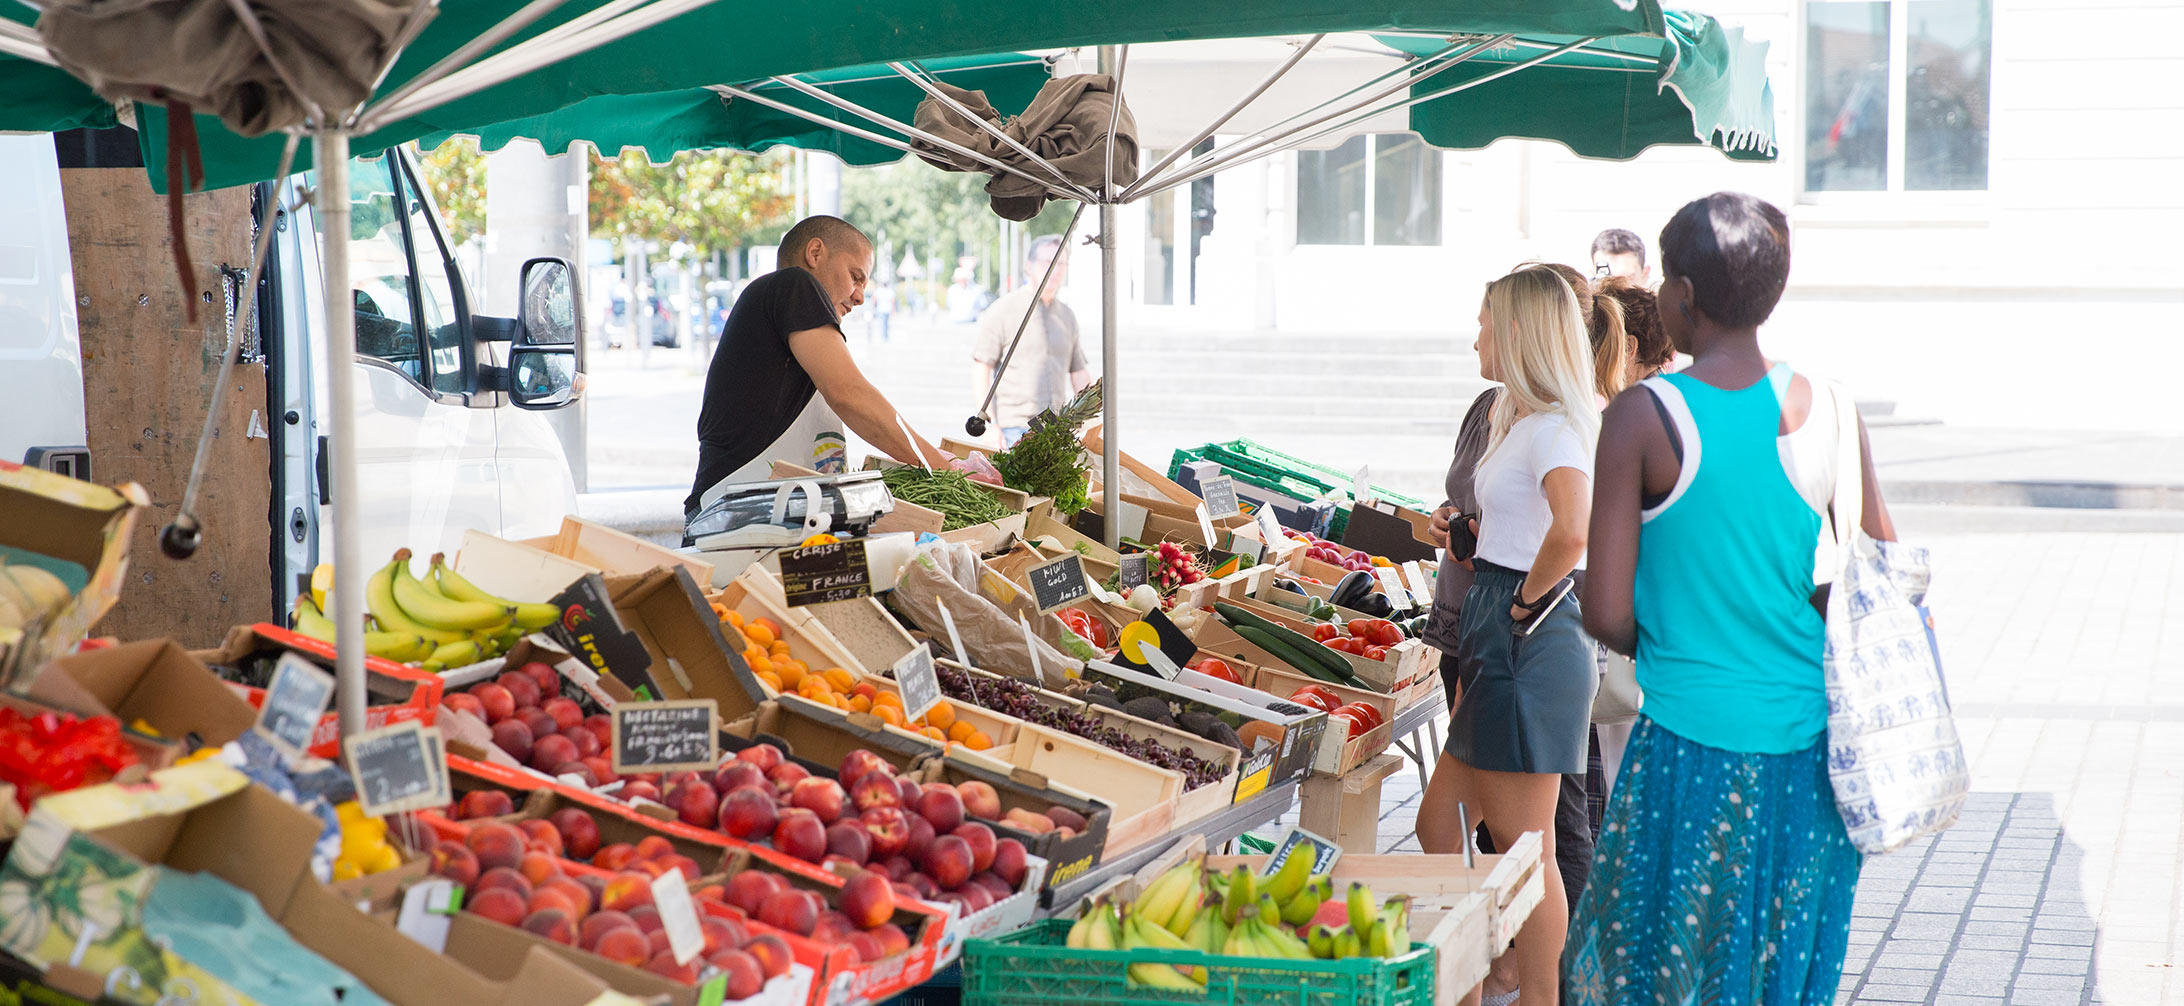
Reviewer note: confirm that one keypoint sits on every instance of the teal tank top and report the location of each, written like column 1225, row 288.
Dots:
column 1729, row 645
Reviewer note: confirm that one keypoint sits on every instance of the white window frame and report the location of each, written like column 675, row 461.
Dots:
column 1372, row 208
column 1930, row 204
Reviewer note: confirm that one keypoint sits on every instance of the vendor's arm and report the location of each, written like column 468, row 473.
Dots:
column 824, row 356
column 1618, row 489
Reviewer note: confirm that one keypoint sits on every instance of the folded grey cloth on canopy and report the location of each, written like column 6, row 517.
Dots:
column 203, row 54
column 1066, row 125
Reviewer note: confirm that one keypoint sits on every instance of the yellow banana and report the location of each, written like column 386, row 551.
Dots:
column 1239, row 942
column 437, row 610
column 1080, row 934
column 1205, row 926
column 529, row 617
column 1396, row 914
column 1270, row 914
column 396, row 646
column 1162, row 976
column 1283, row 943
column 1144, row 933
column 1291, row 878
column 322, row 583
column 1300, row 909
column 1346, row 944
column 379, row 600
column 1240, row 894
column 1321, row 942
column 461, row 654
column 311, row 622
column 1194, row 897
column 1161, row 900
column 1362, row 911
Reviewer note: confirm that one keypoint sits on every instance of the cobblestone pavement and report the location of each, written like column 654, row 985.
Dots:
column 2059, row 886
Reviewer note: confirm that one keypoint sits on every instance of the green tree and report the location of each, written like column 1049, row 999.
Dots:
column 911, row 203
column 455, row 172
column 713, row 201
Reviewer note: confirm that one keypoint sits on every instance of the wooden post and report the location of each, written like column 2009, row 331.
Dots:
column 147, row 380
column 1345, row 809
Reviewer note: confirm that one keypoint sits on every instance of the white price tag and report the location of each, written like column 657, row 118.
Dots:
column 1270, row 528
column 955, row 642
column 1362, row 489
column 1391, row 582
column 1205, row 525
column 1132, row 524
column 671, row 895
column 1421, row 582
column 1031, row 644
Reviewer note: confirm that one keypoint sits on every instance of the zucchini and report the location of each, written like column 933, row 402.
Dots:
column 1303, row 644
column 1286, row 654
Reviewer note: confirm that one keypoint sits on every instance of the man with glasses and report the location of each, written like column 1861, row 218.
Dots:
column 1617, row 252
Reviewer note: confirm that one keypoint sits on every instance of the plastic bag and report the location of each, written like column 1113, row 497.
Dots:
column 977, row 468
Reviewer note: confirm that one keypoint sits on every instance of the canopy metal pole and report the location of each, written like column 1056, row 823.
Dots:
column 918, row 134
column 1110, row 432
column 331, row 152
column 1222, row 120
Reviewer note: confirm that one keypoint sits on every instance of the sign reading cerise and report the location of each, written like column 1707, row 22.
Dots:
column 818, row 574
column 665, row 736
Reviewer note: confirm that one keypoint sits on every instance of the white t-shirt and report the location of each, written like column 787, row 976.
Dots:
column 1514, row 515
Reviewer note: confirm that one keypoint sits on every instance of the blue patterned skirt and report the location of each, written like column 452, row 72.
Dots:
column 1719, row 878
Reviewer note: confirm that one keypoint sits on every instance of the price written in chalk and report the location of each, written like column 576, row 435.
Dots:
column 1060, row 583
column 398, row 768
column 295, row 701
column 1220, row 493
column 919, row 683
column 1134, row 569
column 824, row 573
column 665, row 736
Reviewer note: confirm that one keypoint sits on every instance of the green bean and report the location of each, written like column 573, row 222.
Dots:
column 960, row 502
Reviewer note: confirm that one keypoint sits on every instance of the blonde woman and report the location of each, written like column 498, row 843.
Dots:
column 1521, row 724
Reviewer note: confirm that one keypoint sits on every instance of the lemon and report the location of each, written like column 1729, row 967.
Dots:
column 383, row 859
column 347, row 869
column 350, row 813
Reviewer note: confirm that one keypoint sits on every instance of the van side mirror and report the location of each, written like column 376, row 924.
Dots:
column 543, row 371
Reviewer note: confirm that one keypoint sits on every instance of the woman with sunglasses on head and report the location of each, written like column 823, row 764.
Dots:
column 1724, row 873
column 1520, row 725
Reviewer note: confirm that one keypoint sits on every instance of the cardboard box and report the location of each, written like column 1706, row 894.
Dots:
column 397, row 693
column 1396, row 533
column 1066, row 858
column 491, row 947
column 156, row 682
column 691, row 658
column 615, row 553
column 80, row 532
column 618, row 822
column 819, row 737
column 206, row 817
column 1293, row 732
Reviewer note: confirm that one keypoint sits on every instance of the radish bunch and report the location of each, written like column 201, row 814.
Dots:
column 1174, row 568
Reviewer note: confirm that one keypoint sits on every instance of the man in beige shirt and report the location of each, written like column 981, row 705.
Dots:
column 1049, row 366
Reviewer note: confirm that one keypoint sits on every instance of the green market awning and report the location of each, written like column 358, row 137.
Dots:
column 660, row 70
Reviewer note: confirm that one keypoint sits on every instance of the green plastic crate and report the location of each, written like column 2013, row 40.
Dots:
column 1254, row 463
column 1033, row 967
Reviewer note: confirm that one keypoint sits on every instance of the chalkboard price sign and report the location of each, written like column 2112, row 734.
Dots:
column 824, row 573
column 1060, row 583
column 1299, row 842
column 398, row 768
column 918, row 682
column 295, row 701
column 665, row 736
column 1220, row 493
column 1134, row 569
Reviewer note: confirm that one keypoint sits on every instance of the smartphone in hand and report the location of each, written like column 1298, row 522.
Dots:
column 1555, row 597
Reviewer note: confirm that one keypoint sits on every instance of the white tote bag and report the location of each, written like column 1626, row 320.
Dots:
column 1893, row 756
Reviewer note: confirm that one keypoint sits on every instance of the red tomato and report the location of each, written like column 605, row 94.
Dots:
column 1375, row 653
column 1216, row 668
column 1307, row 697
column 1324, row 631
column 1363, row 711
column 1355, row 726
column 1382, row 632
column 1345, row 644
column 1362, row 628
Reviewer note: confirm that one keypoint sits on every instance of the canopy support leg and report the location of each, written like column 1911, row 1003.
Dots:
column 1110, row 431
column 331, row 152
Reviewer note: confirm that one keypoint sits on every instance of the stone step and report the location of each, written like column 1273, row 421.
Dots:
column 1218, row 364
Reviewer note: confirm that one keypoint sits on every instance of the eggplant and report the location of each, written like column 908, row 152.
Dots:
column 1351, row 589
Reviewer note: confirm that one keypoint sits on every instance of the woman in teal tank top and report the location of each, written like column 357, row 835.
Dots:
column 1723, row 873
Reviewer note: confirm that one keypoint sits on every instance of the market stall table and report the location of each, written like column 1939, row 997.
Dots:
column 1422, row 715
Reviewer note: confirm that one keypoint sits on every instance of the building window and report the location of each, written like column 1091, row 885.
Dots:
column 1896, row 95
column 1372, row 190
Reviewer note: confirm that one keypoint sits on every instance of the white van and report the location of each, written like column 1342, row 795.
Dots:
column 446, row 441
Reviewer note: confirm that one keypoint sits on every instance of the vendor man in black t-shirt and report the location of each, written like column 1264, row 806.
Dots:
column 782, row 386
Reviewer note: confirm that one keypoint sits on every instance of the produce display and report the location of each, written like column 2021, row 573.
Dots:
column 767, row 654
column 960, row 502
column 1294, row 648
column 533, row 723
column 1292, row 915
column 365, row 849
column 1011, row 697
column 1362, row 716
column 436, row 622
column 1048, row 460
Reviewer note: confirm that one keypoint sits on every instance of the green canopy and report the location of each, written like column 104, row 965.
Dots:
column 662, row 70
column 1697, row 82
column 701, row 119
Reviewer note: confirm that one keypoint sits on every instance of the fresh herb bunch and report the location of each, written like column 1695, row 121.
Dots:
column 961, row 502
column 1049, row 460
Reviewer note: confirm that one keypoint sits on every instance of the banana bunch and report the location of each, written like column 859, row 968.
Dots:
column 28, row 594
column 1374, row 930
column 436, row 622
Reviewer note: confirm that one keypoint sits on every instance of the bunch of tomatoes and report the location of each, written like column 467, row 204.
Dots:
column 1362, row 717
column 1366, row 637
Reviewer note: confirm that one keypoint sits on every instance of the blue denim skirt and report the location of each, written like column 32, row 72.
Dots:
column 1527, row 702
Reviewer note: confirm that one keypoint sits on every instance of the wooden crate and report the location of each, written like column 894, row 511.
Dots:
column 1338, row 754
column 614, row 552
column 808, row 640
column 1002, row 730
column 1131, row 787
column 858, row 630
column 1467, row 914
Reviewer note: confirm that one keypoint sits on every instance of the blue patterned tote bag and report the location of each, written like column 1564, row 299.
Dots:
column 1894, row 759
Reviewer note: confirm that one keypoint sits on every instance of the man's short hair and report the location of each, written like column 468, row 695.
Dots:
column 1041, row 245
column 1617, row 241
column 834, row 232
column 1735, row 250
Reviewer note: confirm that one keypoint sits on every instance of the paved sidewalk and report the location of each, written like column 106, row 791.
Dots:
column 2059, row 886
